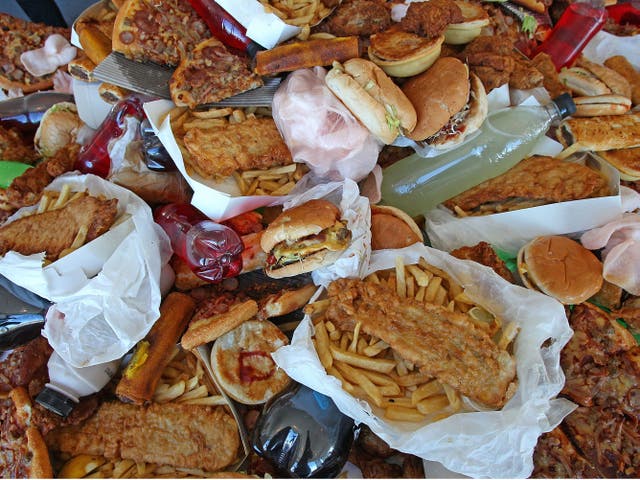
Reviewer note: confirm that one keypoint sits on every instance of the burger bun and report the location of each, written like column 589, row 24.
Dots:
column 561, row 268
column 373, row 98
column 392, row 228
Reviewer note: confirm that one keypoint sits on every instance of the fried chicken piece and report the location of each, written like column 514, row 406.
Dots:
column 177, row 434
column 55, row 230
column 27, row 189
column 24, row 364
column 14, row 148
column 536, row 178
column 550, row 81
column 484, row 254
column 490, row 77
column 525, row 76
column 444, row 344
column 430, row 19
column 498, row 44
column 356, row 17
column 220, row 151
column 497, row 61
column 556, row 457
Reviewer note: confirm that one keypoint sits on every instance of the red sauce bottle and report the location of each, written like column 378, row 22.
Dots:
column 225, row 27
column 94, row 156
column 212, row 251
column 625, row 13
column 576, row 27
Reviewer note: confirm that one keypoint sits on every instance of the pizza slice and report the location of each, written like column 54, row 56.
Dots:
column 556, row 457
column 16, row 37
column 23, row 452
column 159, row 31
column 209, row 74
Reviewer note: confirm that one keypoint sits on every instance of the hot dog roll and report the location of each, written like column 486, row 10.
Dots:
column 140, row 377
column 312, row 53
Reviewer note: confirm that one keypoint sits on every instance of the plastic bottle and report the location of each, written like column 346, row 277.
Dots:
column 627, row 13
column 212, row 251
column 416, row 184
column 224, row 27
column 303, row 434
column 68, row 383
column 94, row 156
column 578, row 24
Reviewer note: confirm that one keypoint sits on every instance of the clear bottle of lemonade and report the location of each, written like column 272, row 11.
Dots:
column 416, row 184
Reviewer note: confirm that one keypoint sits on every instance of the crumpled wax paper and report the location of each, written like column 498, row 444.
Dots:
column 357, row 214
column 480, row 444
column 606, row 45
column 320, row 131
column 106, row 294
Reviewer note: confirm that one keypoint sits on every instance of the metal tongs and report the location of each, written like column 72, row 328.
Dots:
column 22, row 315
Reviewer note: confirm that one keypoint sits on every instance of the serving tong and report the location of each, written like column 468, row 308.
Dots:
column 22, row 315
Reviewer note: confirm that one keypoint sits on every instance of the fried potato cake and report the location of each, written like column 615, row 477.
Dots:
column 536, row 180
column 218, row 151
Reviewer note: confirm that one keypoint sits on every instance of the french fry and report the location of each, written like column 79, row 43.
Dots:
column 382, row 365
column 426, row 390
column 432, row 404
column 356, row 376
column 403, row 414
column 401, row 285
column 322, row 344
column 212, row 112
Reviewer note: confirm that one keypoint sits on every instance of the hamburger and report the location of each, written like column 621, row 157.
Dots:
column 373, row 98
column 59, row 126
column 608, row 104
column 304, row 238
column 561, row 268
column 450, row 103
column 392, row 228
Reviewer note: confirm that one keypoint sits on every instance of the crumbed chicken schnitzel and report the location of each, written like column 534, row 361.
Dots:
column 536, row 180
column 444, row 344
column 177, row 434
column 220, row 150
column 54, row 230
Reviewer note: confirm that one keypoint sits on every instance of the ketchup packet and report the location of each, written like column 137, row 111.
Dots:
column 320, row 131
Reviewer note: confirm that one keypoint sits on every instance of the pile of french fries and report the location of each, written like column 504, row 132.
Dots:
column 184, row 381
column 270, row 181
column 370, row 369
column 300, row 13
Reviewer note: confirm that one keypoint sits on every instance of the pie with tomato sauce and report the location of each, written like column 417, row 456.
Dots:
column 159, row 31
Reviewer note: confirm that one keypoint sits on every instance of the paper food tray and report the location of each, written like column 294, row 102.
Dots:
column 153, row 79
column 217, row 200
column 509, row 231
column 203, row 353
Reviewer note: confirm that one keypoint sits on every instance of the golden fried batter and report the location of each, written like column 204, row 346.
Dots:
column 536, row 179
column 221, row 150
column 430, row 19
column 444, row 344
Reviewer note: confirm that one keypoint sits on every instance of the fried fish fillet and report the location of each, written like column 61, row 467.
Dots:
column 55, row 230
column 177, row 434
column 444, row 344
column 536, row 180
column 220, row 150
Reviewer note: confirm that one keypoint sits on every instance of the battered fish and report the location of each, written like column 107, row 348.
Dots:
column 444, row 344
column 221, row 150
column 54, row 230
column 536, row 180
column 185, row 436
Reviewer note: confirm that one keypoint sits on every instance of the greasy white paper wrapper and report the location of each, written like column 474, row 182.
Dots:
column 217, row 200
column 106, row 294
column 262, row 27
column 509, row 231
column 489, row 444
column 605, row 45
column 356, row 212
